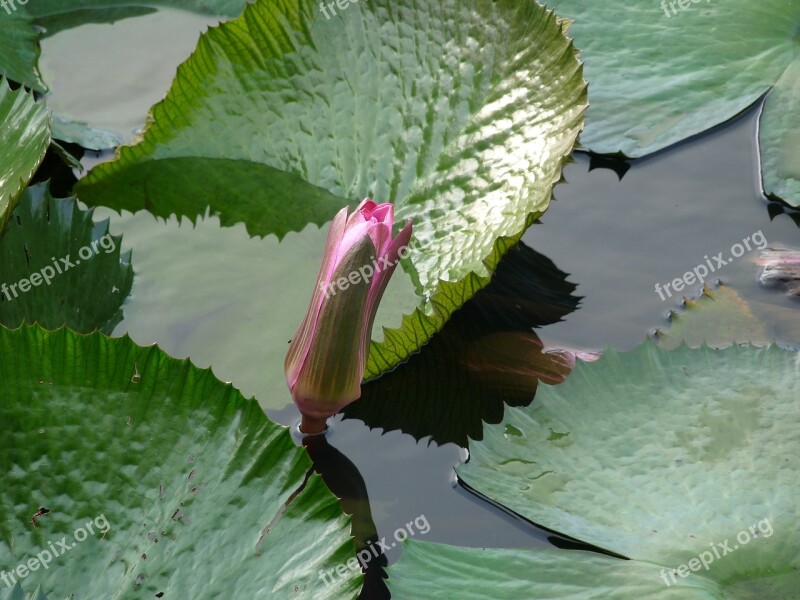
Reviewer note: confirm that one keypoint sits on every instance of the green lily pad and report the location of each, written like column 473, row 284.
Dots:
column 462, row 114
column 779, row 136
column 191, row 491
column 19, row 51
column 429, row 570
column 660, row 73
column 16, row 593
column 25, row 131
column 661, row 456
column 57, row 266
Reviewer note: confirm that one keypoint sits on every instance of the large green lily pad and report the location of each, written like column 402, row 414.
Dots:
column 660, row 73
column 192, row 492
column 25, row 132
column 57, row 267
column 659, row 456
column 460, row 113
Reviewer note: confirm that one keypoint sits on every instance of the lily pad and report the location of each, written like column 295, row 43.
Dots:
column 57, row 266
column 718, row 318
column 175, row 470
column 779, row 134
column 429, row 570
column 25, row 131
column 16, row 593
column 660, row 456
column 83, row 134
column 19, row 51
column 461, row 113
column 54, row 19
column 660, row 73
column 99, row 11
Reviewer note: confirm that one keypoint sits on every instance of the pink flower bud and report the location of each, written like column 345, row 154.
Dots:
column 328, row 354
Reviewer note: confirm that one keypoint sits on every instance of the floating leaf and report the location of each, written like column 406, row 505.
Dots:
column 465, row 128
column 660, row 73
column 55, row 17
column 19, row 51
column 25, row 131
column 428, row 570
column 719, row 318
column 15, row 593
column 663, row 455
column 63, row 13
column 59, row 267
column 182, row 469
column 77, row 132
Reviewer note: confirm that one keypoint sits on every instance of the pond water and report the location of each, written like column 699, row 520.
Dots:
column 200, row 288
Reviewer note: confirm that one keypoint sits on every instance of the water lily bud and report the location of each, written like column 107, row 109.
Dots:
column 328, row 354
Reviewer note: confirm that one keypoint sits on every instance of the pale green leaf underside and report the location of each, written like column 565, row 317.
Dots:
column 657, row 454
column 657, row 79
column 186, row 472
column 86, row 136
column 428, row 570
column 25, row 134
column 460, row 113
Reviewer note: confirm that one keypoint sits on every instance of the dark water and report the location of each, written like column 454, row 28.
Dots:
column 605, row 240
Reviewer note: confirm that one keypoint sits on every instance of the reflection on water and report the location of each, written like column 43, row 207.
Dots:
column 485, row 357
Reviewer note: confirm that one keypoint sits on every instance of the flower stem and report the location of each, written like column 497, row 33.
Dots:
column 312, row 425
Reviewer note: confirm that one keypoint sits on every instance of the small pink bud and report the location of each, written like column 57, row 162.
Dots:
column 328, row 354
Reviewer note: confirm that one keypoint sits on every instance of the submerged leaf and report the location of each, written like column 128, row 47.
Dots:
column 719, row 318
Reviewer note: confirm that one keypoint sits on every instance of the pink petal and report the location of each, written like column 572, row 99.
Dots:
column 298, row 350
